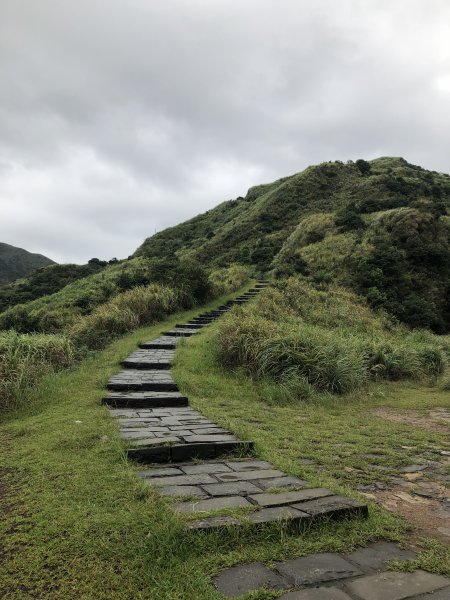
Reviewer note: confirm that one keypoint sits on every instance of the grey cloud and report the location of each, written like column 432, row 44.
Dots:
column 118, row 119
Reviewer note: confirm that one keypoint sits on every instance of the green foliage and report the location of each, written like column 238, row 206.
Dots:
column 141, row 305
column 24, row 359
column 44, row 282
column 326, row 340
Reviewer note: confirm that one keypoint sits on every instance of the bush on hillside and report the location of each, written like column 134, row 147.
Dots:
column 325, row 339
column 24, row 359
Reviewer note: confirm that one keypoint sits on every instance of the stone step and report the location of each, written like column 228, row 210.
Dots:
column 124, row 400
column 136, row 379
column 185, row 332
column 163, row 342
column 149, row 359
column 189, row 325
column 268, row 494
column 172, row 452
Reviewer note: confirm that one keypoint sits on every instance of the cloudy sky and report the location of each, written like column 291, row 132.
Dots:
column 121, row 117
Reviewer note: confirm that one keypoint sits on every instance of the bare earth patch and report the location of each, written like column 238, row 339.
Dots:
column 437, row 419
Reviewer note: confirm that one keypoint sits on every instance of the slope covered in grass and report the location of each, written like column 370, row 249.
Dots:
column 381, row 227
column 17, row 262
column 312, row 340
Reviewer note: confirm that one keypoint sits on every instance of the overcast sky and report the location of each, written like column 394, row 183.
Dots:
column 121, row 117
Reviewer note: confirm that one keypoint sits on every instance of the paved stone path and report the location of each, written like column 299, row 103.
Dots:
column 361, row 575
column 203, row 468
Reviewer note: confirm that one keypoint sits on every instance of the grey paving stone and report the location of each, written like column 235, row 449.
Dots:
column 246, row 578
column 269, row 515
column 376, row 556
column 316, row 569
column 161, row 472
column 136, row 379
column 396, row 586
column 211, row 523
column 202, row 439
column 248, row 465
column 412, row 468
column 180, row 332
column 212, row 504
column 249, row 475
column 144, row 399
column 290, row 497
column 233, row 488
column 154, row 441
column 205, row 468
column 282, row 482
column 196, row 479
column 322, row 593
column 162, row 342
column 334, row 507
column 442, row 594
column 182, row 490
column 161, row 454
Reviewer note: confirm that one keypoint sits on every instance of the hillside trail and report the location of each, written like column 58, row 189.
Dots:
column 213, row 480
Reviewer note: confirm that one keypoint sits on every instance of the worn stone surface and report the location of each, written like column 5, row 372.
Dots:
column 205, row 468
column 211, row 523
column 279, row 513
column 396, row 586
column 144, row 399
column 136, row 379
column 248, row 465
column 212, row 504
column 245, row 578
column 322, row 593
column 282, row 482
column 317, row 569
column 180, row 332
column 149, row 359
column 183, row 491
column 232, row 488
column 333, row 507
column 167, row 342
column 442, row 594
column 267, row 500
column 249, row 475
column 376, row 556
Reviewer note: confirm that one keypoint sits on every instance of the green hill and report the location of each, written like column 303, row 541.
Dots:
column 16, row 262
column 380, row 228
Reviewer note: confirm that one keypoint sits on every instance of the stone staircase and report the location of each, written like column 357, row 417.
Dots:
column 202, row 467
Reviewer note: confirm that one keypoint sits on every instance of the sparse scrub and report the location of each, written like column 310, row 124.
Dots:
column 299, row 336
column 25, row 358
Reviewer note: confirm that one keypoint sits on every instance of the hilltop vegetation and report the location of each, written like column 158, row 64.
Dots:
column 380, row 227
column 16, row 262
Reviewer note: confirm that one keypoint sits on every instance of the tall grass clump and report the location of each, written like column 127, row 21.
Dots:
column 229, row 279
column 139, row 306
column 323, row 339
column 25, row 358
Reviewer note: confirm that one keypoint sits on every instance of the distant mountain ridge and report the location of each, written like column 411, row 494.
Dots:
column 17, row 262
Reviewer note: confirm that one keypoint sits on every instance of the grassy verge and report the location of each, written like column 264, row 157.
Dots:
column 80, row 524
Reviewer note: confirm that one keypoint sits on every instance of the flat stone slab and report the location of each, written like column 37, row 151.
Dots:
column 316, row 569
column 212, row 523
column 279, row 513
column 267, row 500
column 377, row 556
column 334, row 507
column 149, row 359
column 396, row 586
column 212, row 504
column 183, row 490
column 322, row 593
column 245, row 578
column 144, row 399
column 163, row 342
column 180, row 332
column 135, row 379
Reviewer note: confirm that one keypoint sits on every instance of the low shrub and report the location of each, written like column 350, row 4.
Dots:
column 304, row 339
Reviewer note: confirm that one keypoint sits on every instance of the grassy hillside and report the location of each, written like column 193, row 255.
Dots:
column 381, row 227
column 16, row 262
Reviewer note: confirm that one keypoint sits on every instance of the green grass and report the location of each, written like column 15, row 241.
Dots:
column 80, row 524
